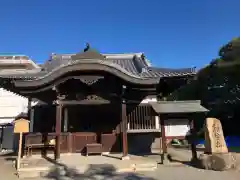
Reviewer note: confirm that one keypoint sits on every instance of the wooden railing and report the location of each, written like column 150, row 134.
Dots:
column 142, row 119
column 45, row 138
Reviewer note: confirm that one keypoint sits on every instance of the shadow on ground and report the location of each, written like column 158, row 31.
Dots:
column 94, row 172
column 10, row 156
column 187, row 163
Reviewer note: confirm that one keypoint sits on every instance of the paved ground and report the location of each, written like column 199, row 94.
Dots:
column 163, row 173
column 182, row 172
column 6, row 169
column 76, row 160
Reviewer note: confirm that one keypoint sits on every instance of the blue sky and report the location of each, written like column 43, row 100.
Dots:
column 171, row 33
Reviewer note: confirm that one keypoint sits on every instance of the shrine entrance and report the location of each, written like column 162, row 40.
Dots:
column 93, row 124
column 90, row 118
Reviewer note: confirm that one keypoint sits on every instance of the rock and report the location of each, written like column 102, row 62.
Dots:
column 217, row 161
column 214, row 137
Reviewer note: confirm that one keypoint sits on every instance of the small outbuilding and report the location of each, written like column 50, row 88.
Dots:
column 177, row 110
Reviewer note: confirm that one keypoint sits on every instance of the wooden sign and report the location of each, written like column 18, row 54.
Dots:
column 21, row 126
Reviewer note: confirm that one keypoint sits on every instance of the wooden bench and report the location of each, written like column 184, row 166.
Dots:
column 93, row 148
column 30, row 147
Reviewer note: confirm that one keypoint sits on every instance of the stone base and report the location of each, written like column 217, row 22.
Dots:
column 218, row 161
column 106, row 153
column 125, row 158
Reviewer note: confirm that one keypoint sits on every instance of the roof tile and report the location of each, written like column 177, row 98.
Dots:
column 133, row 63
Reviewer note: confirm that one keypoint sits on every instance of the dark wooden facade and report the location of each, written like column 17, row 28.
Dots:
column 81, row 110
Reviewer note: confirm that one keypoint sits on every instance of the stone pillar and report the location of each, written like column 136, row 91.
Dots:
column 58, row 130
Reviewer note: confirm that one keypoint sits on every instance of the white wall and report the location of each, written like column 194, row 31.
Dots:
column 174, row 127
column 11, row 105
column 177, row 127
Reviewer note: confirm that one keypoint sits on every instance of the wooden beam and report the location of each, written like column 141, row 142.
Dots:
column 145, row 89
column 82, row 102
column 58, row 131
column 143, row 130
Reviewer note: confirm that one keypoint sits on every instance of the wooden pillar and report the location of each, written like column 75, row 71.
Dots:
column 70, row 143
column 124, row 130
column 58, row 131
column 30, row 114
column 31, row 119
column 65, row 118
column 65, row 129
column 163, row 139
column 29, row 107
column 193, row 139
column 1, row 140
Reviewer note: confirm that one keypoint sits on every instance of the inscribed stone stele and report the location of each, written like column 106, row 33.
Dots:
column 214, row 137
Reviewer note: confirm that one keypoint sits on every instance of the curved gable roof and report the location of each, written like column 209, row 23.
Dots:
column 131, row 67
column 87, row 65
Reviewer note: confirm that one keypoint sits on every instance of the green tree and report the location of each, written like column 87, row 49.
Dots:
column 218, row 87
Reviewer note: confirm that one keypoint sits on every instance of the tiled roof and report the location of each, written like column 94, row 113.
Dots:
column 166, row 107
column 167, row 72
column 134, row 63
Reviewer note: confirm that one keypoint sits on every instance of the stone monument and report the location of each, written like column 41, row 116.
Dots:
column 216, row 155
column 214, row 137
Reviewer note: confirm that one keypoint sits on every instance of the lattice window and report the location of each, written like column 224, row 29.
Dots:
column 142, row 119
